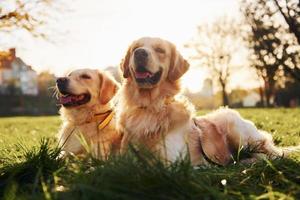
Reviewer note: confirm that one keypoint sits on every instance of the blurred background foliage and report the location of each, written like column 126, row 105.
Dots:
column 269, row 33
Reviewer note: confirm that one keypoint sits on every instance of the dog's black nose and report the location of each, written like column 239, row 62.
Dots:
column 140, row 56
column 61, row 81
column 62, row 84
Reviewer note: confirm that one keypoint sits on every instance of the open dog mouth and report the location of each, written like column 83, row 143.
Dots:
column 71, row 100
column 147, row 77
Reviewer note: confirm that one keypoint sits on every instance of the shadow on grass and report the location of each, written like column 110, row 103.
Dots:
column 139, row 175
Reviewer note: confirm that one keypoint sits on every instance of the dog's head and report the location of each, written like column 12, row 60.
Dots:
column 150, row 61
column 85, row 87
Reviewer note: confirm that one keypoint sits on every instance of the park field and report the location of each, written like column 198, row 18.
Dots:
column 31, row 169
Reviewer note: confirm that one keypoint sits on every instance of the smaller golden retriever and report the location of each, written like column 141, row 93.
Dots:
column 88, row 113
column 151, row 112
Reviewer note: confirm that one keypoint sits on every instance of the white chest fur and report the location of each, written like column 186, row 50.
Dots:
column 174, row 146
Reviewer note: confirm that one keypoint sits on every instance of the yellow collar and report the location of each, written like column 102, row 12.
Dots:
column 104, row 122
column 169, row 100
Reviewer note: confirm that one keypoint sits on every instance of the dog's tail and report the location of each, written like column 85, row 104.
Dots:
column 273, row 151
column 282, row 152
column 286, row 151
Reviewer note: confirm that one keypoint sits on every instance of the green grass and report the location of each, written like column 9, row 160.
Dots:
column 30, row 168
column 17, row 133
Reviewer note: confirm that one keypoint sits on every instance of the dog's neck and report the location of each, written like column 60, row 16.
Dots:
column 152, row 112
column 153, row 98
column 84, row 115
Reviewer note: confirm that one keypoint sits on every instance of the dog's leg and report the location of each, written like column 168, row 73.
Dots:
column 194, row 146
column 68, row 140
column 241, row 132
column 124, row 142
column 213, row 142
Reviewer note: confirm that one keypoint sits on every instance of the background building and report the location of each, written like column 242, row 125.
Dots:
column 15, row 75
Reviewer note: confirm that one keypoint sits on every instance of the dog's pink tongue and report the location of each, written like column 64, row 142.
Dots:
column 64, row 100
column 142, row 74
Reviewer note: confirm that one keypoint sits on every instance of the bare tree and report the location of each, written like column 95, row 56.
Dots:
column 215, row 46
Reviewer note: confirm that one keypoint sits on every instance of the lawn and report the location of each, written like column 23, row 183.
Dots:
column 30, row 168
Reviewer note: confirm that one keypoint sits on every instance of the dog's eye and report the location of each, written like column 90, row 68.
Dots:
column 160, row 50
column 85, row 76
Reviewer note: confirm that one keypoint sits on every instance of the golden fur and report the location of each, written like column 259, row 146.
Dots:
column 83, row 120
column 225, row 132
column 154, row 115
column 151, row 113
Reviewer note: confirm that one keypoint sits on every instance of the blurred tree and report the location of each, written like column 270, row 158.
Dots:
column 46, row 102
column 215, row 46
column 28, row 15
column 237, row 95
column 288, row 96
column 274, row 52
column 46, row 80
column 277, row 21
column 263, row 43
column 290, row 10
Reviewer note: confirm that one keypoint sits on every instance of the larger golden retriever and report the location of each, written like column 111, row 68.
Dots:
column 148, row 111
column 151, row 112
column 88, row 113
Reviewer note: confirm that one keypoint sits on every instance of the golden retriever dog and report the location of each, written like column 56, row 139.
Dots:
column 88, row 113
column 152, row 113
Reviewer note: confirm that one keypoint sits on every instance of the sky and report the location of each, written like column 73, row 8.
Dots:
column 96, row 34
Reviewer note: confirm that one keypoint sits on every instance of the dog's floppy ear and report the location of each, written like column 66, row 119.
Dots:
column 108, row 88
column 125, row 63
column 213, row 142
column 178, row 65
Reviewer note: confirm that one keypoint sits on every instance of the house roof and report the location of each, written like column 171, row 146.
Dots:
column 8, row 57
